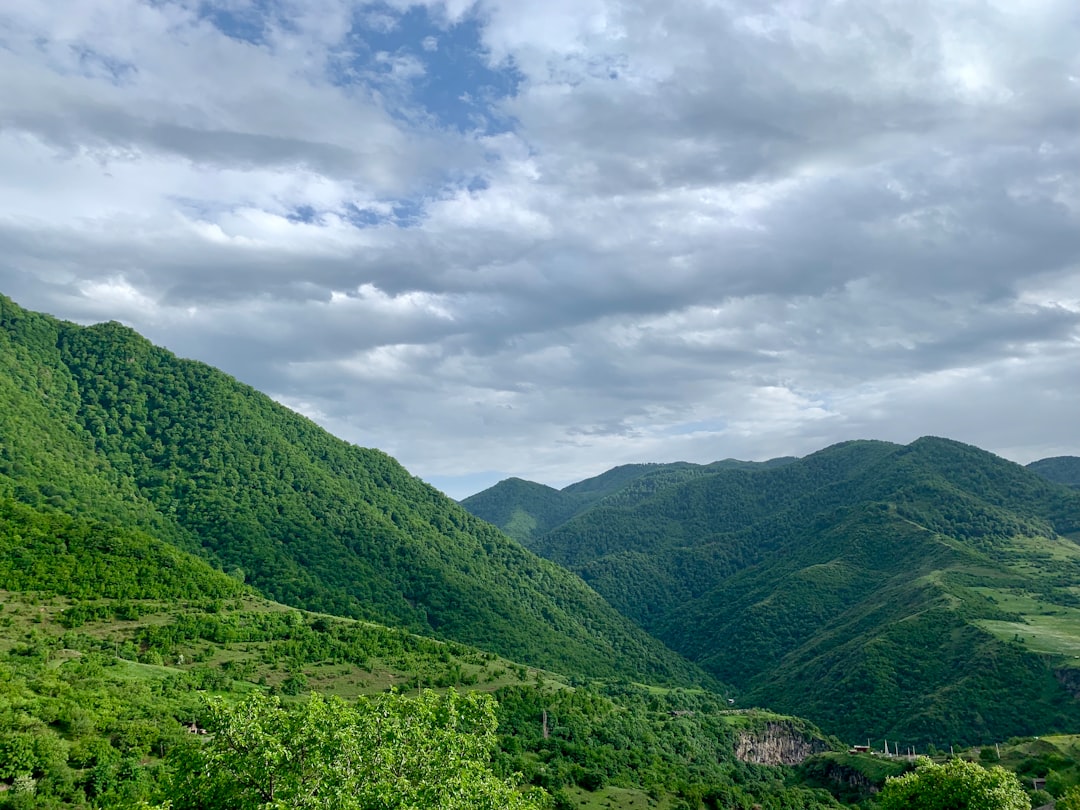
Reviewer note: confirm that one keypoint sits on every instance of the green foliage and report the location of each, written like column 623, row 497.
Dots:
column 1060, row 469
column 1070, row 800
column 523, row 509
column 384, row 753
column 47, row 551
column 956, row 785
column 674, row 743
column 850, row 777
column 855, row 586
column 98, row 731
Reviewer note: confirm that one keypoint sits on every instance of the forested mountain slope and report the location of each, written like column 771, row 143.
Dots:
column 1060, row 469
column 96, row 422
column 526, row 510
column 878, row 588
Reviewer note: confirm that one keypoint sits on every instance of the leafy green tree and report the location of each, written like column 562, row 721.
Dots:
column 1057, row 783
column 387, row 753
column 956, row 785
column 1040, row 798
column 1070, row 800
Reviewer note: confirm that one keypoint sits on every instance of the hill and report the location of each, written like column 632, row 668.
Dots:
column 100, row 425
column 523, row 509
column 924, row 592
column 526, row 510
column 1060, row 469
column 112, row 643
column 100, row 695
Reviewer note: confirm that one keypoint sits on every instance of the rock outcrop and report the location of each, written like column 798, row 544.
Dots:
column 851, row 780
column 1069, row 677
column 776, row 743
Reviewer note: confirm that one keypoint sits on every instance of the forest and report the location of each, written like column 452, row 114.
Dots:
column 923, row 592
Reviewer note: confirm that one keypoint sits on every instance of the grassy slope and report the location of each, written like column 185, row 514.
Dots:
column 95, row 707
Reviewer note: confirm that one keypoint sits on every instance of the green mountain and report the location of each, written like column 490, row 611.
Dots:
column 924, row 592
column 523, row 509
column 1059, row 469
column 526, row 510
column 102, row 427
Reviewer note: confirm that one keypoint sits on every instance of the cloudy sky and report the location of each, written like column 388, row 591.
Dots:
column 545, row 237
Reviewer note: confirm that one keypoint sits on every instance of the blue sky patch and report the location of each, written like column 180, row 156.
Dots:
column 405, row 213
column 456, row 88
column 243, row 21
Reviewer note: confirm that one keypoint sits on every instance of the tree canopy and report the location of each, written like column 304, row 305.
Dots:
column 955, row 785
column 385, row 753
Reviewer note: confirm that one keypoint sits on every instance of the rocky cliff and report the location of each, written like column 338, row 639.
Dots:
column 776, row 743
column 1069, row 677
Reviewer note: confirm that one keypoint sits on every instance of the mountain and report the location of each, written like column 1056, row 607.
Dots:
column 118, row 622
column 525, row 510
column 1059, row 469
column 100, row 426
column 924, row 592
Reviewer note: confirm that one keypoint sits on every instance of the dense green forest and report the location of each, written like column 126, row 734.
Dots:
column 526, row 510
column 921, row 591
column 98, row 423
column 1060, row 469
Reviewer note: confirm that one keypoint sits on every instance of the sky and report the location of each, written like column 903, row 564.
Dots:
column 542, row 238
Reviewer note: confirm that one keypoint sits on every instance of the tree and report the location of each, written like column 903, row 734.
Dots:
column 956, row 785
column 385, row 753
column 1070, row 800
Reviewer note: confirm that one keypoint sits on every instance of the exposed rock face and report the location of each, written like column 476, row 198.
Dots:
column 776, row 744
column 1070, row 679
column 851, row 778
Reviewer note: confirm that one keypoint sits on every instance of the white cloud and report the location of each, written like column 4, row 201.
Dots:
column 712, row 229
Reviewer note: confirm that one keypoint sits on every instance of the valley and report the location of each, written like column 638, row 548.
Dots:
column 874, row 588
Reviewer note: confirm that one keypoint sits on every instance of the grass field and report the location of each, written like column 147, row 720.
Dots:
column 24, row 617
column 1046, row 628
column 614, row 798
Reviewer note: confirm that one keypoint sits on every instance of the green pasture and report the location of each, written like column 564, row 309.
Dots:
column 615, row 798
column 1046, row 628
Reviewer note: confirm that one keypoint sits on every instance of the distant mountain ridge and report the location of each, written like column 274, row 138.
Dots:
column 98, row 424
column 879, row 588
column 1059, row 469
column 524, row 509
